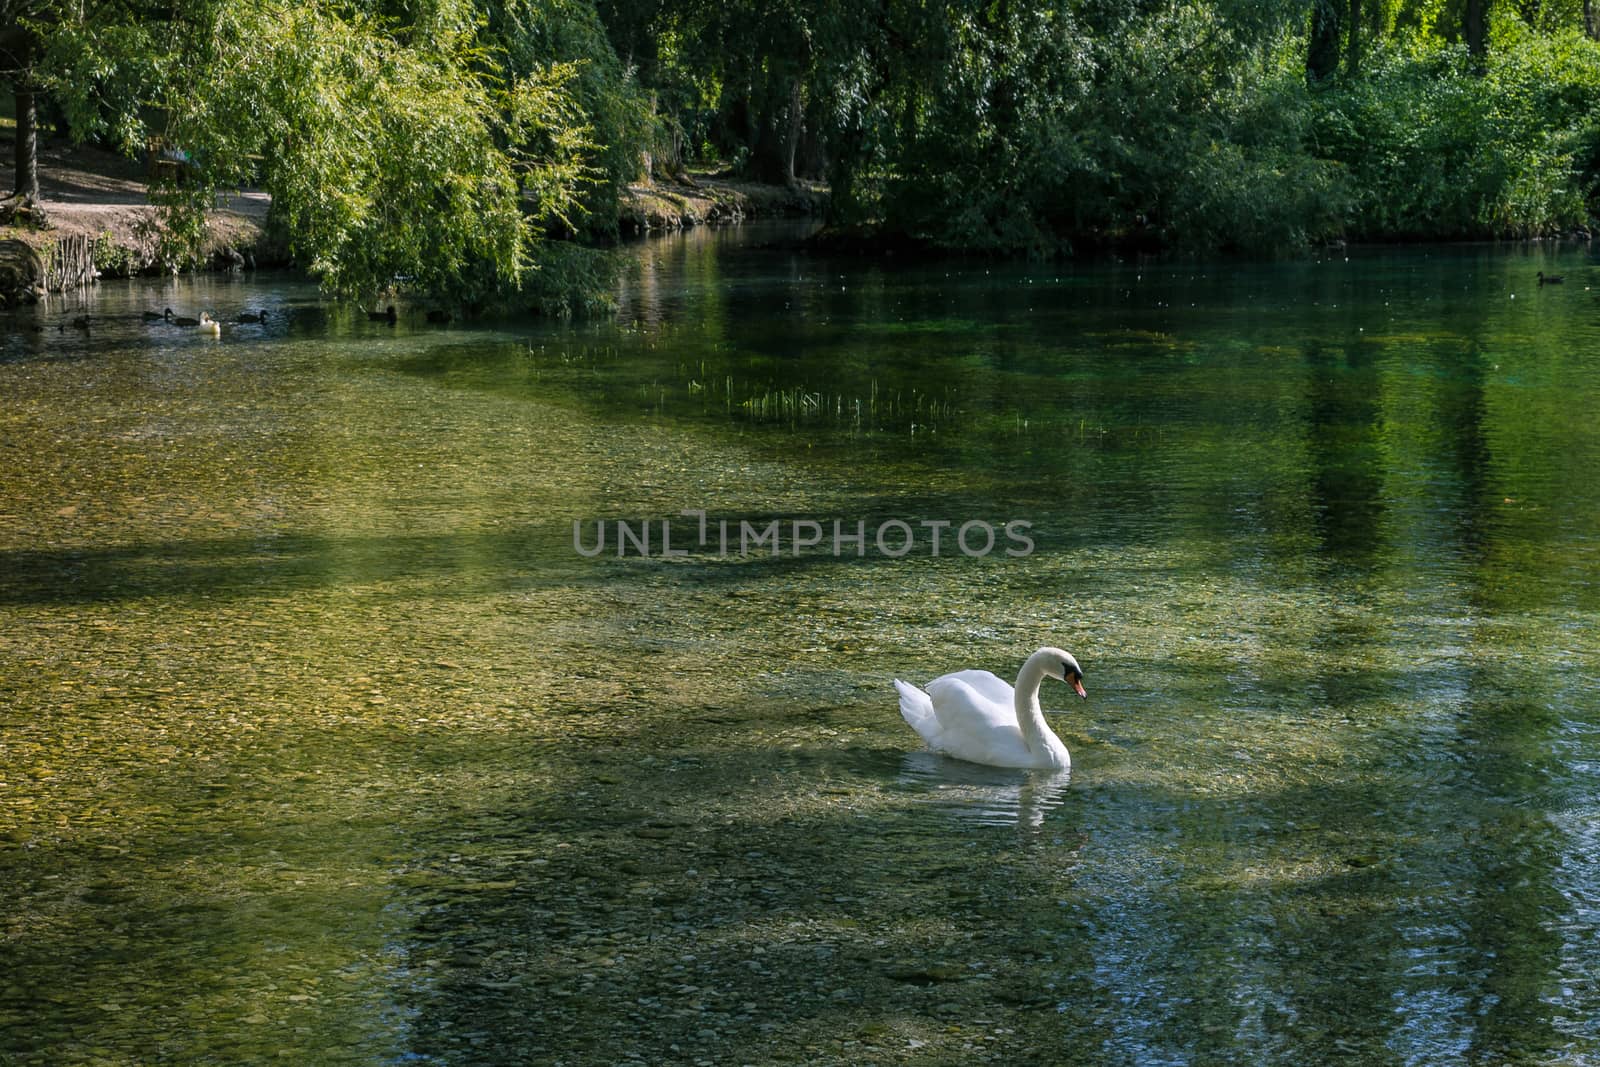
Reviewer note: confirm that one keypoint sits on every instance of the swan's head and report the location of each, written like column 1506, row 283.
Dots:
column 1059, row 664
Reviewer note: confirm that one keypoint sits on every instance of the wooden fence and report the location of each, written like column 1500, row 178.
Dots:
column 70, row 264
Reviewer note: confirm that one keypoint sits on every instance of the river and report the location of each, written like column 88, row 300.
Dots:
column 521, row 692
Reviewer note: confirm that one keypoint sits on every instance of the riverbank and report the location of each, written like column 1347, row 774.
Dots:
column 92, row 195
column 87, row 192
column 700, row 199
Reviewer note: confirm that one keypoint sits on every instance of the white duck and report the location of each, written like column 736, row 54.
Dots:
column 974, row 716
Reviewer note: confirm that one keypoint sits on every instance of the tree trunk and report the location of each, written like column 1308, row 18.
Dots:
column 1591, row 20
column 1352, row 48
column 27, row 156
column 732, row 128
column 813, row 161
column 791, row 144
column 1477, row 30
column 1322, row 50
column 769, row 135
column 647, row 163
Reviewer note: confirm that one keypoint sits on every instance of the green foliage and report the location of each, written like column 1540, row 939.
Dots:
column 1199, row 138
column 528, row 36
column 1180, row 123
column 100, row 67
column 571, row 279
column 979, row 161
column 1435, row 150
column 725, row 75
column 438, row 146
column 1171, row 124
column 390, row 163
column 114, row 260
column 1250, row 182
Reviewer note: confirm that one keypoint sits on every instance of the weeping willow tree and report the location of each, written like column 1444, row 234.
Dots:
column 400, row 154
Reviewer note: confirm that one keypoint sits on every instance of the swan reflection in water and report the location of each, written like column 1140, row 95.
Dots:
column 986, row 796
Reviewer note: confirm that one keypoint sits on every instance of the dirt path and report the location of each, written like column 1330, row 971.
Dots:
column 88, row 191
column 670, row 205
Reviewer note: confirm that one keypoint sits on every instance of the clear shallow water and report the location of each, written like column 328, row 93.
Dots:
column 321, row 741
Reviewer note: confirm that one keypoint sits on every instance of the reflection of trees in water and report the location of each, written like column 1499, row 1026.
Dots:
column 1346, row 478
column 1505, row 752
column 1468, row 953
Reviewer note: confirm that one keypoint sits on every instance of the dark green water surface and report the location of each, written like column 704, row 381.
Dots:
column 321, row 742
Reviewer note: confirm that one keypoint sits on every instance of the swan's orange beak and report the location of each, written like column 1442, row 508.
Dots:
column 1077, row 686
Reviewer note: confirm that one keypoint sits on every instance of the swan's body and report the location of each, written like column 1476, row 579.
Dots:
column 383, row 316
column 183, row 320
column 977, row 717
column 151, row 316
column 210, row 325
column 1551, row 279
column 245, row 316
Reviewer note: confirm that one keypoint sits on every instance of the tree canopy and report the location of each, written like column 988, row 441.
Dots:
column 443, row 146
column 392, row 151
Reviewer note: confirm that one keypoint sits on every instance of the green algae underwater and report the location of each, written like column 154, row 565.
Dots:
column 322, row 742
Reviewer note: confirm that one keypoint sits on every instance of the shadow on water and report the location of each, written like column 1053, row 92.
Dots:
column 755, row 903
column 739, row 548
column 744, row 905
column 274, row 562
column 1347, row 483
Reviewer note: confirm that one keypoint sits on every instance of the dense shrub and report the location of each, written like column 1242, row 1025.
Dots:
column 1191, row 125
column 1437, row 150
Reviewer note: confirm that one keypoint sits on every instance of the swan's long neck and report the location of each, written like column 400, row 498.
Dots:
column 1030, row 716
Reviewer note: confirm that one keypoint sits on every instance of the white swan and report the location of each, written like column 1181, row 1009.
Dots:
column 974, row 716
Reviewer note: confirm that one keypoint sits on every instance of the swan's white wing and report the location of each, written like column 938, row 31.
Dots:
column 972, row 725
column 990, row 688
